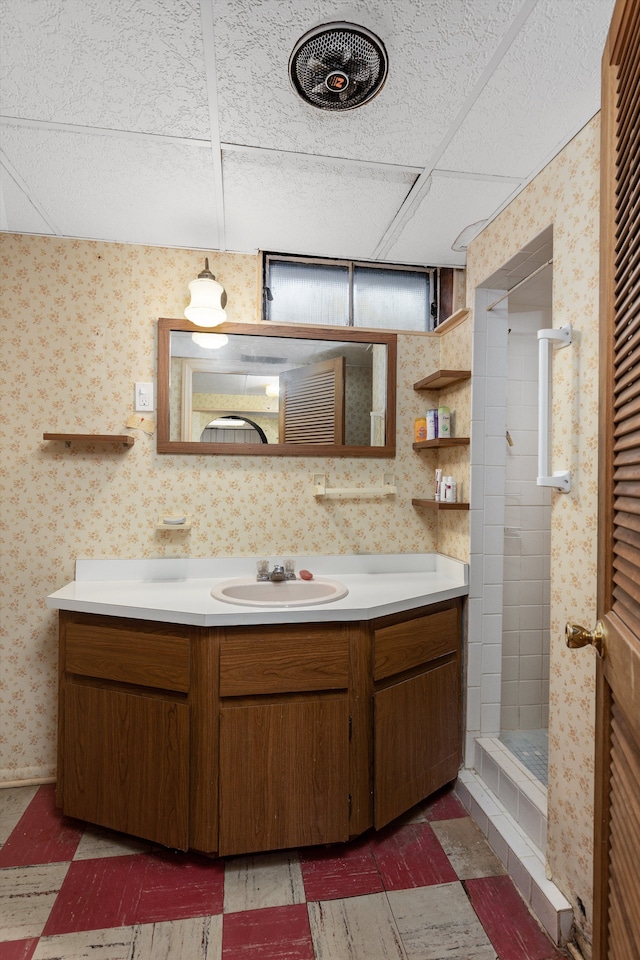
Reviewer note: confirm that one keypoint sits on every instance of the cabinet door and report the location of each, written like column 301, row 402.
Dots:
column 284, row 773
column 126, row 763
column 417, row 739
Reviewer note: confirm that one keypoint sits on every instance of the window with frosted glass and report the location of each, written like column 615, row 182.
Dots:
column 346, row 293
column 396, row 299
column 308, row 293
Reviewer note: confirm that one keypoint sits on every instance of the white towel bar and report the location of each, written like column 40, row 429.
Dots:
column 561, row 479
column 320, row 489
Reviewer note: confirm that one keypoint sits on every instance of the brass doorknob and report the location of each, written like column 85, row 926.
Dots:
column 578, row 636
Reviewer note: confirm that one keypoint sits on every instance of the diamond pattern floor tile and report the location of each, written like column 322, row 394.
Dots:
column 120, row 891
column 339, row 871
column 41, row 835
column 439, row 922
column 360, row 928
column 512, row 930
column 410, row 856
column 422, row 888
column 276, row 933
column 466, row 847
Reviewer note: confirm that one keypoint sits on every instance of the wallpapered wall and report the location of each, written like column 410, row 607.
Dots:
column 79, row 322
column 566, row 194
column 79, row 328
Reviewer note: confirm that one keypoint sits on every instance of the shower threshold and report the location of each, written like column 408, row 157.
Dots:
column 509, row 804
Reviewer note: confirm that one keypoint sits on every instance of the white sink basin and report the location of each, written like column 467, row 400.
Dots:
column 248, row 592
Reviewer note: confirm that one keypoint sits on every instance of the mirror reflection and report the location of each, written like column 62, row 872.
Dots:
column 258, row 392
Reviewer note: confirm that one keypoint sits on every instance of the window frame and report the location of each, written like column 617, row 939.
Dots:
column 431, row 272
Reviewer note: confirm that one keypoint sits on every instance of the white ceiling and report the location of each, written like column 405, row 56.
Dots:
column 173, row 122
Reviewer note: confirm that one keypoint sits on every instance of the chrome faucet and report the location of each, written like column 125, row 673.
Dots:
column 279, row 572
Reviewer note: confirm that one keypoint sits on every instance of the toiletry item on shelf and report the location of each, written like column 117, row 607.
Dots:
column 449, row 490
column 438, row 485
column 432, row 424
column 419, row 429
column 444, row 422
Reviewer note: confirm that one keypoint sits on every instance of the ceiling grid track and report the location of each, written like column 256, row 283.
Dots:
column 423, row 184
column 26, row 190
column 208, row 42
column 102, row 131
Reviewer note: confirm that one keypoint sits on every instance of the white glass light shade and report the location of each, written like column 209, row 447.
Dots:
column 205, row 308
column 210, row 341
column 272, row 389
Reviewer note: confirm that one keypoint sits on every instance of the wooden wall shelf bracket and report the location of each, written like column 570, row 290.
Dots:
column 441, row 379
column 441, row 442
column 439, row 504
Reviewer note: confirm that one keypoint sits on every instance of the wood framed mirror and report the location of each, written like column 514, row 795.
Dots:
column 262, row 389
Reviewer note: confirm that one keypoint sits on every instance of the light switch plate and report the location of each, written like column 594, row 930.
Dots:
column 144, row 397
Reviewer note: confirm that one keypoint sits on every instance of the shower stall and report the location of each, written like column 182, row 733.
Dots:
column 524, row 689
column 507, row 708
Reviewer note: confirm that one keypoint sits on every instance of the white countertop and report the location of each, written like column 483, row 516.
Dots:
column 178, row 590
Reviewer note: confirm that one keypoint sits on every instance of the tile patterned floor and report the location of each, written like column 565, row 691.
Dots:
column 531, row 747
column 427, row 887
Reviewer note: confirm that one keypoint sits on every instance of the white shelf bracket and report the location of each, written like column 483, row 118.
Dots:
column 561, row 479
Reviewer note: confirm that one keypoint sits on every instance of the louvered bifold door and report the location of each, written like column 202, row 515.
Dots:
column 312, row 403
column 617, row 879
column 626, row 338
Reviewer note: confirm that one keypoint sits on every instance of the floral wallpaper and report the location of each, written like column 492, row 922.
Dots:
column 79, row 328
column 79, row 323
column 566, row 194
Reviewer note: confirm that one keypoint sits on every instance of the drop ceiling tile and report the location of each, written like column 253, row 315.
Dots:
column 436, row 49
column 450, row 204
column 544, row 90
column 134, row 190
column 17, row 213
column 122, row 65
column 305, row 205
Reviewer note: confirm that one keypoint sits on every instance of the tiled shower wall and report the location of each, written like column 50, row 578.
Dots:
column 527, row 535
column 486, row 519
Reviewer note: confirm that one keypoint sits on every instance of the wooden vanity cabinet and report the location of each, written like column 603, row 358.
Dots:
column 124, row 726
column 417, row 708
column 284, row 737
column 245, row 739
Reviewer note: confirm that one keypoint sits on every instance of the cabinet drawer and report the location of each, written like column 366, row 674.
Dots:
column 288, row 660
column 410, row 644
column 127, row 656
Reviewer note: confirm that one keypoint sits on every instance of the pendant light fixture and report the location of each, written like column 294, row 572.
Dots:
column 208, row 299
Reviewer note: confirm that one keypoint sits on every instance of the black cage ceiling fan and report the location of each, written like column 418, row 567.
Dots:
column 338, row 66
